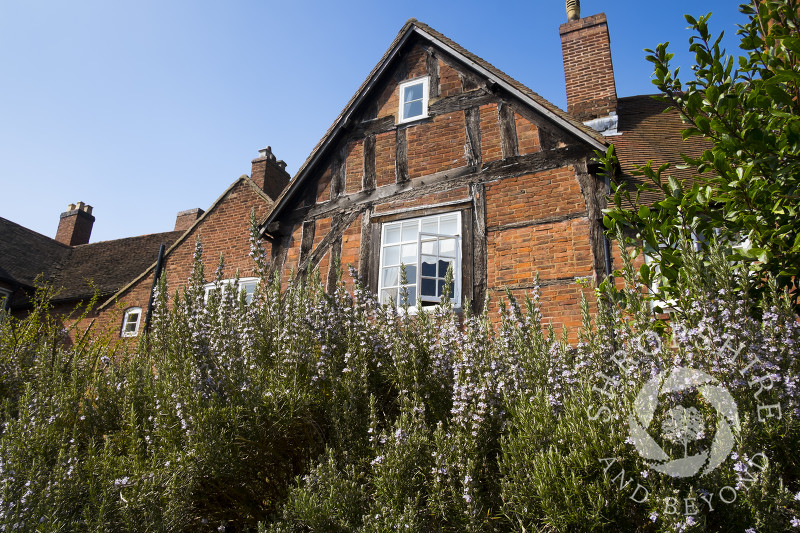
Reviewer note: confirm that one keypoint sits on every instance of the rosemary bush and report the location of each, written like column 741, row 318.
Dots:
column 304, row 411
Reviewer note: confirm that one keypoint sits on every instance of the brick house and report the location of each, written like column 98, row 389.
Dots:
column 439, row 160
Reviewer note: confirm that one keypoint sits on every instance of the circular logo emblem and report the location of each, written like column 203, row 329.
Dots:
column 683, row 425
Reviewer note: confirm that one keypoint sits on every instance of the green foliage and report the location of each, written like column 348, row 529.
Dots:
column 745, row 191
column 304, row 411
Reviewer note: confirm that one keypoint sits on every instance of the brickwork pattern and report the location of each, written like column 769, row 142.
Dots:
column 354, row 167
column 588, row 69
column 527, row 135
column 225, row 230
column 437, row 145
column 534, row 196
column 491, row 149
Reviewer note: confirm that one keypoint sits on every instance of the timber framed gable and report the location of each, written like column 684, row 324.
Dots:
column 514, row 167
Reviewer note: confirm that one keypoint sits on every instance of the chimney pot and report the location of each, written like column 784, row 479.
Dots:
column 573, row 9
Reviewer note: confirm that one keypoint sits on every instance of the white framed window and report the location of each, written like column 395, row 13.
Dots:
column 246, row 285
column 424, row 248
column 413, row 100
column 130, row 322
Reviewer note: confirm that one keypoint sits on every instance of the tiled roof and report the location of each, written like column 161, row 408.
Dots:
column 25, row 254
column 650, row 134
column 108, row 264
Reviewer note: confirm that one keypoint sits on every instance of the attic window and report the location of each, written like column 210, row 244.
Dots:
column 130, row 322
column 413, row 100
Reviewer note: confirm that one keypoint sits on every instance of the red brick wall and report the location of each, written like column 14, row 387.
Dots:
column 354, row 166
column 437, row 145
column 534, row 196
column 386, row 155
column 491, row 149
column 225, row 229
column 556, row 251
column 449, row 80
column 527, row 135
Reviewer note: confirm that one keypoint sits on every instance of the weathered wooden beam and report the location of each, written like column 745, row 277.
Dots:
column 401, row 157
column 338, row 172
column 460, row 102
column 532, row 285
column 472, row 118
column 309, row 228
column 537, row 222
column 508, row 130
column 480, row 254
column 369, row 180
column 457, row 177
column 594, row 193
column 432, row 66
column 339, row 224
column 335, row 264
column 374, row 126
column 365, row 250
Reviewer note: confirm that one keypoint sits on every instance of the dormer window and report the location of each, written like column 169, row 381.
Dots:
column 413, row 100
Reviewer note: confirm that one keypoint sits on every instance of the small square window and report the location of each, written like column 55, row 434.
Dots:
column 130, row 322
column 413, row 100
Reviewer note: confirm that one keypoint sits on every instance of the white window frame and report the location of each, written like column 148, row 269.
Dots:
column 419, row 242
column 248, row 285
column 126, row 321
column 401, row 116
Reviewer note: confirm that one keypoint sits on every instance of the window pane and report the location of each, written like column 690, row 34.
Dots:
column 428, row 287
column 410, row 231
column 429, row 247
column 449, row 225
column 412, row 109
column 428, row 266
column 430, row 225
column 391, row 276
column 409, row 253
column 389, row 296
column 447, row 247
column 393, row 234
column 411, row 273
column 440, row 288
column 391, row 255
column 412, row 295
column 413, row 92
column 443, row 268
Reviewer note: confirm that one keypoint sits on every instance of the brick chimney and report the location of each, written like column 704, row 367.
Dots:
column 75, row 225
column 269, row 173
column 589, row 74
column 185, row 219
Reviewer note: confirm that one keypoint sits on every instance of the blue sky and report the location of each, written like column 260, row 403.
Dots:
column 145, row 108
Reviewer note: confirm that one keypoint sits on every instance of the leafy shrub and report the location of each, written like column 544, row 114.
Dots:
column 304, row 411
